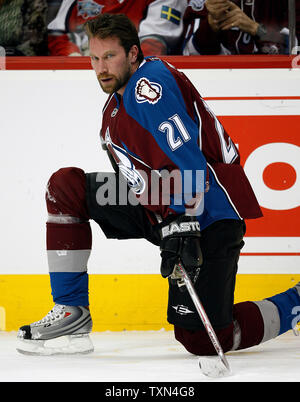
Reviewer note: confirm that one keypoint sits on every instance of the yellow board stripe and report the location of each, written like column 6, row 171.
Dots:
column 118, row 302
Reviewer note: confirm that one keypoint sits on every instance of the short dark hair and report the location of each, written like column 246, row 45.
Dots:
column 115, row 25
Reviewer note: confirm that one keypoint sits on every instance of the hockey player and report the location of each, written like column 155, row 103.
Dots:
column 155, row 122
column 159, row 23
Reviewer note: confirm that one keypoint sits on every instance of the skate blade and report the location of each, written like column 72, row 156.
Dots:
column 212, row 366
column 66, row 345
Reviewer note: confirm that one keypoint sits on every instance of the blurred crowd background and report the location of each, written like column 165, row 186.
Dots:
column 166, row 27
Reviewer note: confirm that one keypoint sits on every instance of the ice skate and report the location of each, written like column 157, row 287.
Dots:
column 64, row 330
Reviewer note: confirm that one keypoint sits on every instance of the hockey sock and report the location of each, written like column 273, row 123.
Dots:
column 69, row 237
column 68, row 250
column 273, row 316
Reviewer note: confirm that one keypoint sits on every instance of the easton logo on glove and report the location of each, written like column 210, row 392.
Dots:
column 182, row 227
column 180, row 242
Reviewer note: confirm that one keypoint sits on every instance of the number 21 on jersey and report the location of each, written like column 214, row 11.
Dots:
column 168, row 126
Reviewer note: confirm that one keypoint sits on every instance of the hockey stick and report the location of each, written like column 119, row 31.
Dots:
column 209, row 366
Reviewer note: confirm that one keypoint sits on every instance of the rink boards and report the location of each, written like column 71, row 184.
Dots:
column 51, row 118
column 118, row 302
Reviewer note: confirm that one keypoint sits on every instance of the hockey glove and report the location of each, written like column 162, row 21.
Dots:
column 180, row 242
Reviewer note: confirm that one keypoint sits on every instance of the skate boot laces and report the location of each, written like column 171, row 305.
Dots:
column 55, row 314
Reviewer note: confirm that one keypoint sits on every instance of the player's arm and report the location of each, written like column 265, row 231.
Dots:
column 176, row 133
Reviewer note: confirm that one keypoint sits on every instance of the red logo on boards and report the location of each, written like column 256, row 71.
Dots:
column 270, row 155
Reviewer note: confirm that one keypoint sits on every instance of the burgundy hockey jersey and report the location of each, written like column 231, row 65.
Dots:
column 161, row 124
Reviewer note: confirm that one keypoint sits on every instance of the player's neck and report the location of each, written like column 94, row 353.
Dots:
column 134, row 68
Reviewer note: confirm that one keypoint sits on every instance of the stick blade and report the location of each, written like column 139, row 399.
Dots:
column 213, row 366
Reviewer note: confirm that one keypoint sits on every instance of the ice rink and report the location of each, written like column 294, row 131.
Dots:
column 152, row 356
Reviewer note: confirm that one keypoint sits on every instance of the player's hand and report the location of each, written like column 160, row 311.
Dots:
column 180, row 242
column 235, row 17
column 217, row 8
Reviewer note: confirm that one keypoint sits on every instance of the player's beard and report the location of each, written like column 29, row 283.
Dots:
column 116, row 82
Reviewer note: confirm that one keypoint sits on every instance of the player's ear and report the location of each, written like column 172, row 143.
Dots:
column 133, row 53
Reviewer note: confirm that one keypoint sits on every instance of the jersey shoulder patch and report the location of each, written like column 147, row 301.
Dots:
column 147, row 91
column 149, row 81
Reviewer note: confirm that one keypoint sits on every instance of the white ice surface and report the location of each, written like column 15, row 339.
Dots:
column 151, row 356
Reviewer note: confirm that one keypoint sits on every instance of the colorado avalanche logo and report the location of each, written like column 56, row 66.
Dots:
column 133, row 177
column 146, row 91
column 88, row 9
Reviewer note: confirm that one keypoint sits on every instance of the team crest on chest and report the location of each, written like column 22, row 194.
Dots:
column 146, row 91
column 134, row 178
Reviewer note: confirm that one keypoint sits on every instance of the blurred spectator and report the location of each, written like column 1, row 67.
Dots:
column 159, row 23
column 23, row 29
column 236, row 27
column 162, row 24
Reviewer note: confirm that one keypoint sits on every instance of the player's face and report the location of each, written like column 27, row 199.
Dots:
column 113, row 68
